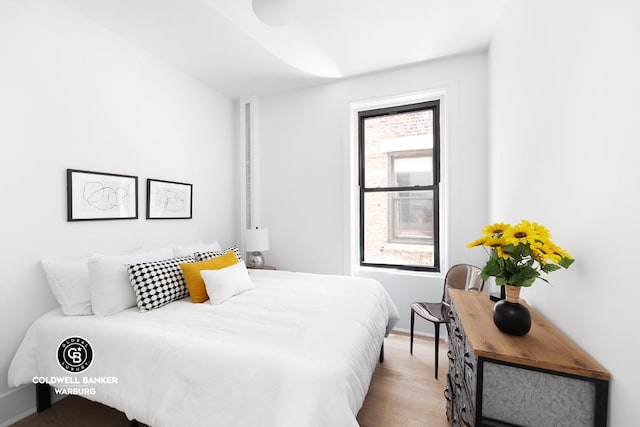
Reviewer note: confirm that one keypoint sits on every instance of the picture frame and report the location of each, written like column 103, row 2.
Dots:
column 95, row 196
column 169, row 199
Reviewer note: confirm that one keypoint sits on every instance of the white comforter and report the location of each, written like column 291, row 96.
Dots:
column 299, row 350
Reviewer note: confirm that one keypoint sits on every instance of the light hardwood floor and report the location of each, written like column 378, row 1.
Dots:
column 403, row 390
column 403, row 393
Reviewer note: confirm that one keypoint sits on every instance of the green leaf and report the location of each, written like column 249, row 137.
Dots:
column 492, row 268
column 524, row 276
column 565, row 262
column 548, row 268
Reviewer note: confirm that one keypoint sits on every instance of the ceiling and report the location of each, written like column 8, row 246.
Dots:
column 225, row 45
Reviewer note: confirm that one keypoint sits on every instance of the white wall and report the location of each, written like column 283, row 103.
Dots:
column 305, row 188
column 74, row 95
column 564, row 92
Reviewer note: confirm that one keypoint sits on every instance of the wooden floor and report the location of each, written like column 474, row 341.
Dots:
column 403, row 390
column 403, row 393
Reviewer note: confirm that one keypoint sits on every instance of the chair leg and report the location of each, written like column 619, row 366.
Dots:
column 411, row 339
column 437, row 328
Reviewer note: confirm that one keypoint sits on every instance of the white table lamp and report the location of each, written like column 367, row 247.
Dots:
column 257, row 240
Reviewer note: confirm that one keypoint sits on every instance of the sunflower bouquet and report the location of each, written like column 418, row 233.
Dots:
column 520, row 253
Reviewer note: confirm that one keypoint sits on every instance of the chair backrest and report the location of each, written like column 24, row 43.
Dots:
column 462, row 276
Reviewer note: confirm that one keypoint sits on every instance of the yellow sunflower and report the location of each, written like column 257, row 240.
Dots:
column 544, row 252
column 494, row 241
column 478, row 242
column 502, row 254
column 538, row 255
column 541, row 231
column 493, row 229
column 557, row 250
column 520, row 233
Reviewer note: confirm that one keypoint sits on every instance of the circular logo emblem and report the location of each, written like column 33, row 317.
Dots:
column 75, row 354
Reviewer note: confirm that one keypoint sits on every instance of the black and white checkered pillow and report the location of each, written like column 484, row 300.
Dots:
column 158, row 283
column 203, row 256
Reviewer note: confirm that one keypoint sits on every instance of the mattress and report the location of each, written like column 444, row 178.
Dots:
column 298, row 350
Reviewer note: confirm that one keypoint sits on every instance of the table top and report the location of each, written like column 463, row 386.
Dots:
column 544, row 346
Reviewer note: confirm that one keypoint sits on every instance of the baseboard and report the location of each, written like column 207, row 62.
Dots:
column 407, row 332
column 17, row 404
column 18, row 418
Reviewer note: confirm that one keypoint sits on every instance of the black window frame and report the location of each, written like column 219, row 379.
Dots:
column 434, row 187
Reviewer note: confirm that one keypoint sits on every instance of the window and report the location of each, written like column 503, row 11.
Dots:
column 399, row 179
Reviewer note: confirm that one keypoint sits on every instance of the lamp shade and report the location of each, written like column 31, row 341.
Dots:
column 257, row 240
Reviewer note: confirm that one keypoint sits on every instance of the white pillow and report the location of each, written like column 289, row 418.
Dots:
column 69, row 282
column 224, row 283
column 182, row 251
column 111, row 291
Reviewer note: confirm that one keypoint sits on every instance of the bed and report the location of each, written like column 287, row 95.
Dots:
column 298, row 350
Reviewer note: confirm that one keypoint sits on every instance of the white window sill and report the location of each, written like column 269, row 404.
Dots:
column 395, row 272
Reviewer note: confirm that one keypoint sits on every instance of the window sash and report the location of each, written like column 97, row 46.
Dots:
column 401, row 209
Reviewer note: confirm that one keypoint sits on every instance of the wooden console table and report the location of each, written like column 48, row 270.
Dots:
column 539, row 379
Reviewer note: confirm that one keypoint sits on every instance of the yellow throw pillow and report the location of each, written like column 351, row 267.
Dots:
column 193, row 280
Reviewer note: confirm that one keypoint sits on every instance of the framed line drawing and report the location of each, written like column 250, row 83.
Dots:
column 169, row 200
column 100, row 196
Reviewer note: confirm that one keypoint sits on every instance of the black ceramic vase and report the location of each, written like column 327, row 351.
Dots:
column 510, row 316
